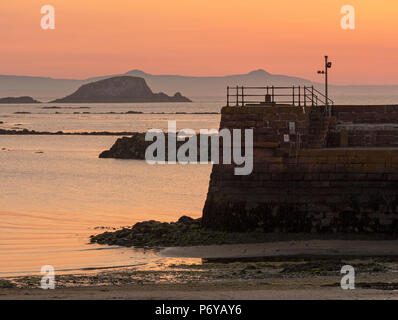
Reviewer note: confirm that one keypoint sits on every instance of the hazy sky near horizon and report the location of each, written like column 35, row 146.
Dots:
column 190, row 37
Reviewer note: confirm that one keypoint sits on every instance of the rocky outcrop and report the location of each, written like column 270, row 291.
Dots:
column 24, row 99
column 153, row 233
column 119, row 89
column 191, row 232
column 184, row 232
column 128, row 148
column 134, row 147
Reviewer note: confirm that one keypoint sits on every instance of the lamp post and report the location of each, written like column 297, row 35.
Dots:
column 325, row 72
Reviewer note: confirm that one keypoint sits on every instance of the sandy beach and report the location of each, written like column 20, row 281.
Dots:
column 300, row 270
column 301, row 289
column 330, row 248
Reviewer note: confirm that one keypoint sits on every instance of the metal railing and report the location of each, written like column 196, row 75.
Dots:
column 295, row 96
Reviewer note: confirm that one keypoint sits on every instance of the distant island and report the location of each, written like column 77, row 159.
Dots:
column 24, row 99
column 119, row 89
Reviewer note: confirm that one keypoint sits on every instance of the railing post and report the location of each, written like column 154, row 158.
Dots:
column 293, row 95
column 237, row 96
column 312, row 98
column 227, row 96
column 273, row 95
column 305, row 96
column 299, row 97
column 243, row 98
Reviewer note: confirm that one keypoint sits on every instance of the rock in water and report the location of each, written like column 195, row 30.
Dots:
column 134, row 147
column 24, row 99
column 119, row 89
column 128, row 148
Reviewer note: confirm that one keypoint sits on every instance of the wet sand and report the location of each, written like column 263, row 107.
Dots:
column 332, row 248
column 286, row 270
column 302, row 289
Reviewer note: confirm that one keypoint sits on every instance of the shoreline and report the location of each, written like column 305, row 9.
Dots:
column 283, row 278
column 303, row 290
column 189, row 232
column 245, row 254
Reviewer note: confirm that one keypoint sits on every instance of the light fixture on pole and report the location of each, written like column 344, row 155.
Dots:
column 328, row 65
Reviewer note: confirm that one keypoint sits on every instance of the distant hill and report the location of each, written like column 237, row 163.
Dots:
column 216, row 86
column 41, row 88
column 23, row 99
column 48, row 89
column 119, row 89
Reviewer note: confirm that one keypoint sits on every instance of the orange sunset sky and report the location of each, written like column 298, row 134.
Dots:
column 190, row 37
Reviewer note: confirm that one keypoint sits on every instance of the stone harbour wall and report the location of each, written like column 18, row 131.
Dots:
column 365, row 135
column 366, row 114
column 301, row 182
